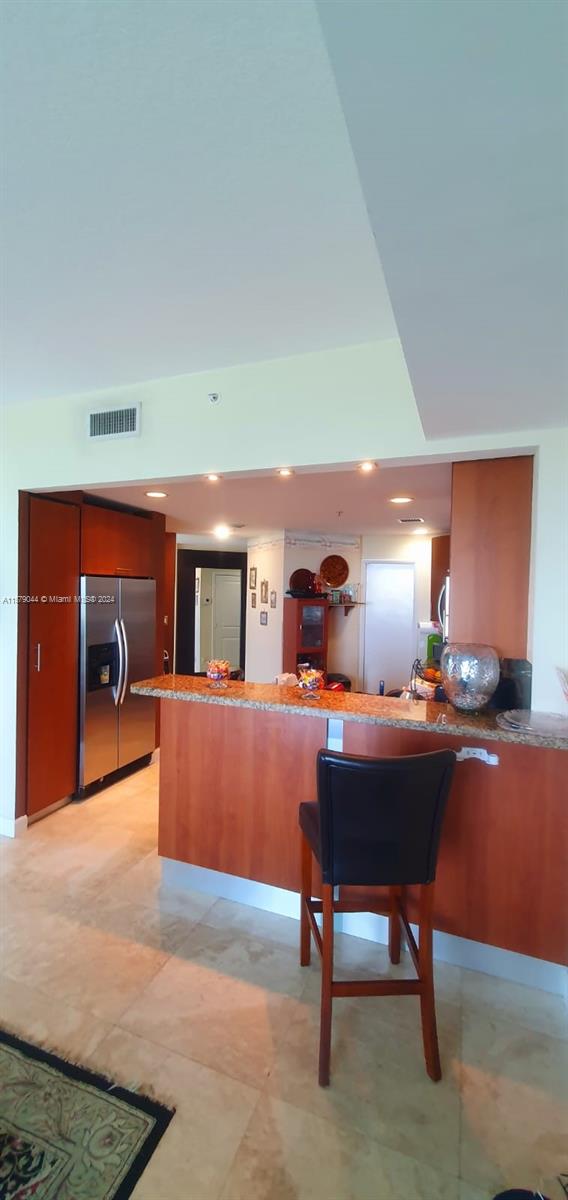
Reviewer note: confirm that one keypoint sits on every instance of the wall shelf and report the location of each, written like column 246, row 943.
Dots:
column 347, row 607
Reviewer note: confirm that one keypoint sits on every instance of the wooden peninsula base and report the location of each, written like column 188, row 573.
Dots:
column 234, row 768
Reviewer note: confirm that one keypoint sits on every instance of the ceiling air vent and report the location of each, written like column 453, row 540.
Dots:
column 411, row 520
column 115, row 422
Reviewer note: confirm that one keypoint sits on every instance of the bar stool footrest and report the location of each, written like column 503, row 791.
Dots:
column 376, row 987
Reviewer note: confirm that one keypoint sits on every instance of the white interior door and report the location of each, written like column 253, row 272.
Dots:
column 227, row 616
column 390, row 635
column 197, row 656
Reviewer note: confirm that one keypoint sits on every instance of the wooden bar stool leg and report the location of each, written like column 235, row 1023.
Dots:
column 426, row 971
column 326, row 981
column 394, row 924
column 306, row 892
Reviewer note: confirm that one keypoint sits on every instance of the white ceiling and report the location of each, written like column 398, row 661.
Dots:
column 332, row 502
column 194, row 185
column 458, row 117
column 181, row 193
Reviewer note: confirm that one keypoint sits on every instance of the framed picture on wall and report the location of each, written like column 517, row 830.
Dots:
column 253, row 599
column 264, row 617
column 273, row 599
column 264, row 591
column 252, row 578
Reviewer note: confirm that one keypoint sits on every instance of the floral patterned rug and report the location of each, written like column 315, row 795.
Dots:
column 67, row 1133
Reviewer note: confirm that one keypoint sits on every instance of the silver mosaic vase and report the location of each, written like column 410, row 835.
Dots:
column 470, row 674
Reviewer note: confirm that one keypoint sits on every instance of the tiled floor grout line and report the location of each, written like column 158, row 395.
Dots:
column 460, row 1089
column 235, row 1155
column 365, row 1134
column 146, row 1037
column 490, row 1006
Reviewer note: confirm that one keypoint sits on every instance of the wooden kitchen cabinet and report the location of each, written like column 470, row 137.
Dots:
column 305, row 633
column 62, row 537
column 52, row 653
column 490, row 553
column 116, row 543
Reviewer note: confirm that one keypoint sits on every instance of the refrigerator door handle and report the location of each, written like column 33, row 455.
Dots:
column 447, row 610
column 120, row 680
column 441, row 600
column 125, row 679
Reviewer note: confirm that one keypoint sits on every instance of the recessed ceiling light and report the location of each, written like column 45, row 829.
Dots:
column 401, row 499
column 222, row 531
column 157, row 495
column 213, row 478
column 365, row 467
column 284, row 471
column 420, row 531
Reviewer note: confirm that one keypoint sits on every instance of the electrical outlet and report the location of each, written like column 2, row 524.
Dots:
column 490, row 760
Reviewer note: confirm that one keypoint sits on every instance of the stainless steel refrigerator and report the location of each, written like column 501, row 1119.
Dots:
column 118, row 646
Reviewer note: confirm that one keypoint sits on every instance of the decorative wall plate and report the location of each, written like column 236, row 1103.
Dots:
column 334, row 570
column 302, row 580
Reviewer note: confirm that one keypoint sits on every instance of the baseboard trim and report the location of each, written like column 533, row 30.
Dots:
column 13, row 826
column 51, row 808
column 475, row 956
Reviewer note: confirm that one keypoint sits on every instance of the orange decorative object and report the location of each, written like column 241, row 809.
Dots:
column 334, row 570
column 218, row 668
column 310, row 678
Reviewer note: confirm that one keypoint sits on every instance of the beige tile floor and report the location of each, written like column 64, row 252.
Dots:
column 202, row 1002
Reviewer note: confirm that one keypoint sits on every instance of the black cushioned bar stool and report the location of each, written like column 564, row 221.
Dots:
column 376, row 822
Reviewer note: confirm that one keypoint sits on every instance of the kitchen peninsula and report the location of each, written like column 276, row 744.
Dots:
column 236, row 761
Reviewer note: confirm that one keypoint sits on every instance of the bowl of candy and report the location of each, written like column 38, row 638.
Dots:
column 310, row 679
column 218, row 670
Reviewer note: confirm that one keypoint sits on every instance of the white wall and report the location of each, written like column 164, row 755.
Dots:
column 308, row 550
column 548, row 611
column 197, row 630
column 263, row 659
column 406, row 548
column 347, row 404
column 411, row 548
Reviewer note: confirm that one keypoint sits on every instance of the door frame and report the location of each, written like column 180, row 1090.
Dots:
column 214, row 604
column 383, row 562
column 72, row 498
column 187, row 561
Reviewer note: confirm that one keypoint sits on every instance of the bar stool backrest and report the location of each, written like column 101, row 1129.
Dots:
column 381, row 818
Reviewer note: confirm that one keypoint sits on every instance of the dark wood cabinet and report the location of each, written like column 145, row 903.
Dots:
column 305, row 633
column 53, row 652
column 490, row 553
column 116, row 543
column 60, row 539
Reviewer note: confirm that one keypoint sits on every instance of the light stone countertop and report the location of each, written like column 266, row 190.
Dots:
column 423, row 715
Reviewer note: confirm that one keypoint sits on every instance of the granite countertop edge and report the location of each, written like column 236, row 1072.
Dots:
column 314, row 708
